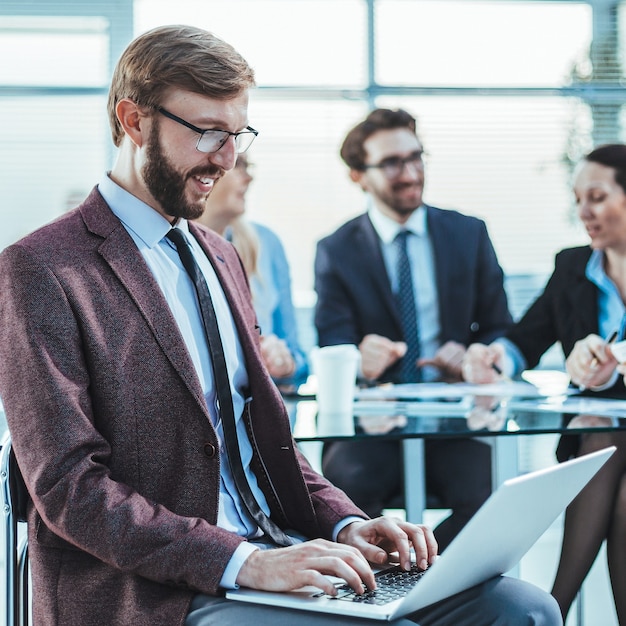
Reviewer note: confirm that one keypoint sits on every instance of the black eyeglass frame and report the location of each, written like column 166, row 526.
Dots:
column 202, row 132
column 397, row 162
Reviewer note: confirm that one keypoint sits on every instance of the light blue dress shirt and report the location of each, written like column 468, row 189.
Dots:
column 420, row 251
column 611, row 309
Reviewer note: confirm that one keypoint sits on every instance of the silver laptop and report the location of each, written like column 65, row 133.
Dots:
column 492, row 542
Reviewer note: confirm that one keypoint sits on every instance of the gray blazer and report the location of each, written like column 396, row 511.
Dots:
column 112, row 433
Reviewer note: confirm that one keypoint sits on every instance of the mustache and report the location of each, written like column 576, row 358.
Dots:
column 400, row 186
column 211, row 171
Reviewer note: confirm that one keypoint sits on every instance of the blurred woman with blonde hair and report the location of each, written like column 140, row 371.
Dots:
column 264, row 259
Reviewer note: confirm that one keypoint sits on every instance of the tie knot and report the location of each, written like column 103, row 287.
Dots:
column 401, row 237
column 176, row 236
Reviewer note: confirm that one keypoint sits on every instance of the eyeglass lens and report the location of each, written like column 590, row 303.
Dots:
column 394, row 166
column 213, row 140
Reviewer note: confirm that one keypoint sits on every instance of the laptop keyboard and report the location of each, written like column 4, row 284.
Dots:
column 392, row 584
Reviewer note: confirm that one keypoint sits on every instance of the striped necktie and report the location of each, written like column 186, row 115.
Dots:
column 405, row 298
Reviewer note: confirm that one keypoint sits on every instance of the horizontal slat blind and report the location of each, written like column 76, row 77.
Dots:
column 503, row 92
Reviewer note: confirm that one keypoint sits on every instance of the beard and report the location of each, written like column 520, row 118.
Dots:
column 392, row 198
column 167, row 185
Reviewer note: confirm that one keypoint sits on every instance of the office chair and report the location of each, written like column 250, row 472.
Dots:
column 15, row 498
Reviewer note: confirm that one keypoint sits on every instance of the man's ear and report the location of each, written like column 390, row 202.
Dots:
column 356, row 176
column 132, row 120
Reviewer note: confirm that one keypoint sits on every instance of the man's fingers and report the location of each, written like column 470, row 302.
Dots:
column 380, row 537
column 399, row 349
column 285, row 569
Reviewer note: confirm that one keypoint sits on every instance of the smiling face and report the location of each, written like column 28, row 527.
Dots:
column 601, row 204
column 396, row 197
column 177, row 177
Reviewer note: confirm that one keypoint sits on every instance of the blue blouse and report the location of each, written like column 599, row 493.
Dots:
column 271, row 293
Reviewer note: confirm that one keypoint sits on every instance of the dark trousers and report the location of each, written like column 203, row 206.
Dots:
column 500, row 601
column 370, row 471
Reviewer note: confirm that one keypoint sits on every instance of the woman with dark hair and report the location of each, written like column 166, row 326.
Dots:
column 583, row 302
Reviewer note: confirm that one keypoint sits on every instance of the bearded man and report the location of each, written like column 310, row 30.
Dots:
column 412, row 286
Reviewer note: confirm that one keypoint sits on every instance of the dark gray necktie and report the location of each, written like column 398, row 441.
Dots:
column 222, row 387
column 408, row 313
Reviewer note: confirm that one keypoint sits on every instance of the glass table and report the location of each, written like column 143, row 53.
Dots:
column 402, row 413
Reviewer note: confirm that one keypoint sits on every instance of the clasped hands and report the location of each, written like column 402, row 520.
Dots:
column 277, row 357
column 379, row 541
column 379, row 353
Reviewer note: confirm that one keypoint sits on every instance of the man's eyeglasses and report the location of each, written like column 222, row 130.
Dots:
column 213, row 139
column 394, row 166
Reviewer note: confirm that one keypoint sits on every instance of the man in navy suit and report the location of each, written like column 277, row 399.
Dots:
column 457, row 295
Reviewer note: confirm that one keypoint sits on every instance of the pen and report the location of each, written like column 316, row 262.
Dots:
column 498, row 370
column 610, row 339
column 594, row 362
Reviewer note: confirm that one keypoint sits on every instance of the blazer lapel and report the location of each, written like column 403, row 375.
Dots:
column 582, row 291
column 121, row 254
column 441, row 263
column 368, row 251
column 228, row 283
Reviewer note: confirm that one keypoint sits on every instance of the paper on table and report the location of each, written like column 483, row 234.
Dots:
column 416, row 391
column 448, row 407
column 593, row 406
column 619, row 351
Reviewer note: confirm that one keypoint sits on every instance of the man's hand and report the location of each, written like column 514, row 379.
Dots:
column 277, row 357
column 590, row 363
column 448, row 359
column 286, row 569
column 378, row 353
column 479, row 361
column 380, row 541
column 384, row 540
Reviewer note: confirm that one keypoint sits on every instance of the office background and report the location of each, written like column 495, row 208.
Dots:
column 508, row 94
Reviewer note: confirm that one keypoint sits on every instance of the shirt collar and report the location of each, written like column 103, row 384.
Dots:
column 594, row 270
column 137, row 216
column 387, row 228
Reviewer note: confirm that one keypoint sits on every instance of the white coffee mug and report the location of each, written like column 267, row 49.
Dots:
column 335, row 368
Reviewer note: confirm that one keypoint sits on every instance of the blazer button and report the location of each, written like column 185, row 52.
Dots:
column 209, row 450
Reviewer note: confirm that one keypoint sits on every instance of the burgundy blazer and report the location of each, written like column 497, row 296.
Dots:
column 111, row 429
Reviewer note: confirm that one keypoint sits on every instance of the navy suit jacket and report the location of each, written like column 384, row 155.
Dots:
column 354, row 296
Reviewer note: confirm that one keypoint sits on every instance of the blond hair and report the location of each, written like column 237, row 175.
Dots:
column 246, row 242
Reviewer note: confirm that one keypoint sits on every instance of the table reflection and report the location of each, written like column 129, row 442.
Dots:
column 471, row 415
